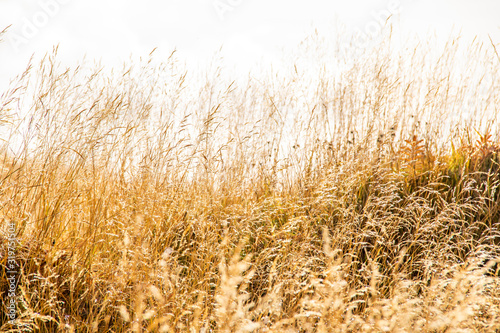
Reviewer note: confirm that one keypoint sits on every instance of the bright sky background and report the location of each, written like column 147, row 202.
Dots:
column 248, row 30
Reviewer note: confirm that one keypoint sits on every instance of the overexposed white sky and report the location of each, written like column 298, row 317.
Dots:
column 248, row 30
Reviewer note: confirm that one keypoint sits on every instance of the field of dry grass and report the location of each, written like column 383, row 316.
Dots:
column 154, row 199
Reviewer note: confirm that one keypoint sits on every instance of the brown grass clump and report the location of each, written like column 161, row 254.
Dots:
column 150, row 200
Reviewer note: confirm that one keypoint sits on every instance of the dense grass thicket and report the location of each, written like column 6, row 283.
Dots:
column 319, row 198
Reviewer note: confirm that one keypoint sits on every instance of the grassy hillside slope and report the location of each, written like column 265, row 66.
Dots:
column 309, row 200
